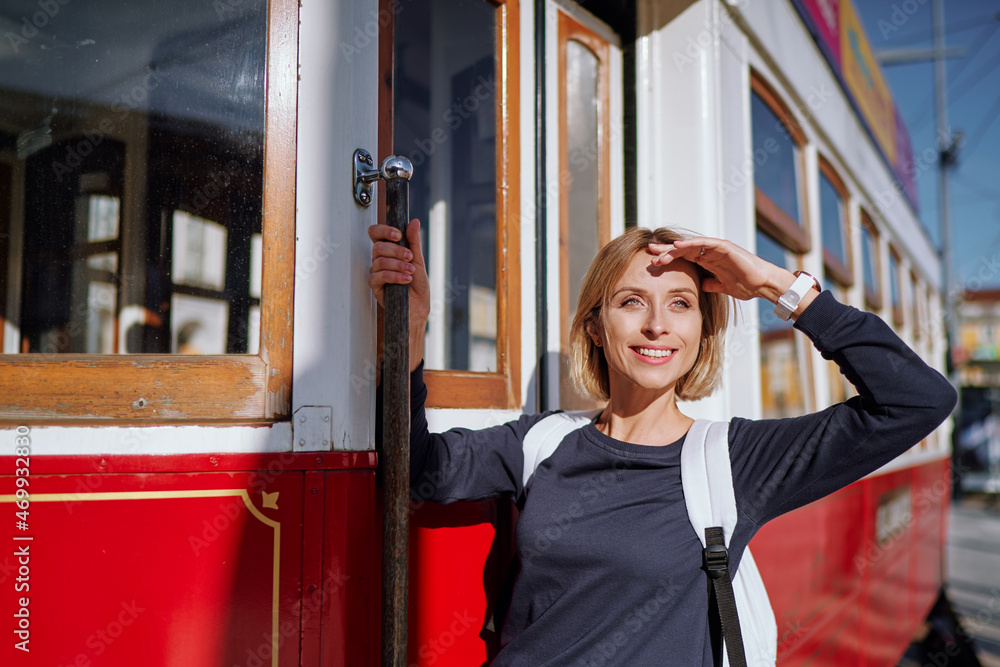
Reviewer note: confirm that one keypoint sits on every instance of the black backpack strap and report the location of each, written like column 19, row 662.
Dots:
column 722, row 601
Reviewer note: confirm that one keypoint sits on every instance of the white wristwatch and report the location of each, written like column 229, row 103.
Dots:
column 789, row 301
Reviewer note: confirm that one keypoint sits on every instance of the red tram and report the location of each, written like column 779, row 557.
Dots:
column 190, row 345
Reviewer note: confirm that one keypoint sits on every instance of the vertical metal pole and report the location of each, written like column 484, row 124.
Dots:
column 946, row 156
column 396, row 172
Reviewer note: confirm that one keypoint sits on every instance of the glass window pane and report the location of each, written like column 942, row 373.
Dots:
column 782, row 354
column 583, row 146
column 775, row 158
column 894, row 281
column 253, row 330
column 580, row 109
column 869, row 254
column 129, row 123
column 832, row 219
column 444, row 115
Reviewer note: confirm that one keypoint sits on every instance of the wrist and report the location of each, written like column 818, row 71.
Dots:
column 776, row 284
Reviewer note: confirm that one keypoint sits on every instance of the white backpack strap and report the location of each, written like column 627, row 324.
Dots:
column 543, row 438
column 707, row 478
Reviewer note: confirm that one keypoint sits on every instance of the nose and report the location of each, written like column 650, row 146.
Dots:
column 655, row 324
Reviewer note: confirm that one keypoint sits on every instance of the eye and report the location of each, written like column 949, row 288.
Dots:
column 630, row 301
column 681, row 303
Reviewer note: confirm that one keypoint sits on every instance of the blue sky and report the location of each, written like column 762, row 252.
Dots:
column 973, row 107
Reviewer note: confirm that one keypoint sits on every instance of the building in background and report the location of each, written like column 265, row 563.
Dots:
column 977, row 356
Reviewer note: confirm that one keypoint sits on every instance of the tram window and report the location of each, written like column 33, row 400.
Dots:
column 584, row 155
column 833, row 223
column 870, row 263
column 177, row 95
column 445, row 121
column 449, row 101
column 895, row 298
column 783, row 355
column 840, row 387
column 915, row 311
column 776, row 143
column 132, row 140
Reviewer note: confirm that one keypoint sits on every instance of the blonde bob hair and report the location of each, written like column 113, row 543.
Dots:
column 588, row 364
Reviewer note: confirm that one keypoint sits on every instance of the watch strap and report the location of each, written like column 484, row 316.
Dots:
column 789, row 301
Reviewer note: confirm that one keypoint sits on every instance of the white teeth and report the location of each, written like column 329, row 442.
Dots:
column 647, row 352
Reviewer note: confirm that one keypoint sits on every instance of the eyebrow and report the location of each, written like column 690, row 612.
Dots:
column 676, row 290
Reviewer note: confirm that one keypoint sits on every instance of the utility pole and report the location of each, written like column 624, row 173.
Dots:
column 948, row 145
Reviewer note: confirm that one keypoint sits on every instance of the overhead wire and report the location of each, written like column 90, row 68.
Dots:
column 984, row 125
column 981, row 39
column 974, row 186
column 955, row 28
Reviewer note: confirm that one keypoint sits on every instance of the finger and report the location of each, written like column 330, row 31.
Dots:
column 697, row 244
column 413, row 237
column 712, row 284
column 380, row 264
column 379, row 279
column 662, row 252
column 389, row 249
column 384, row 233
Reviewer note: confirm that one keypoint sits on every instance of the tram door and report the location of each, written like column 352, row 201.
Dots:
column 455, row 88
column 584, row 146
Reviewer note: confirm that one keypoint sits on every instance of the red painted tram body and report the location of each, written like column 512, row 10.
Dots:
column 187, row 465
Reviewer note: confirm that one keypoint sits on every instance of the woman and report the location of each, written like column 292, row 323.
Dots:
column 610, row 566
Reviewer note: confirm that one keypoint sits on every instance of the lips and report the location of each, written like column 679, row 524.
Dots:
column 654, row 355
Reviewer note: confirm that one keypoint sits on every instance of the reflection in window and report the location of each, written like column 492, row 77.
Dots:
column 583, row 141
column 783, row 355
column 99, row 216
column 199, row 252
column 775, row 158
column 581, row 219
column 840, row 388
column 106, row 255
column 915, row 309
column 831, row 209
column 445, row 101
column 198, row 325
column 869, row 258
column 895, row 291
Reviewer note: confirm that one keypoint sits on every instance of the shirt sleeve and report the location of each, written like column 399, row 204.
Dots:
column 460, row 464
column 782, row 464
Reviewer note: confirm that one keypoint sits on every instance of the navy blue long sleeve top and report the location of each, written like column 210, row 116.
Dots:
column 610, row 567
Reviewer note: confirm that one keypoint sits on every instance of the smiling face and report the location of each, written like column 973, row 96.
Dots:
column 650, row 329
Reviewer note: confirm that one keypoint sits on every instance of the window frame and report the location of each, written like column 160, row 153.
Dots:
column 776, row 222
column 159, row 388
column 570, row 29
column 873, row 297
column 471, row 389
column 788, row 334
column 839, row 272
column 897, row 309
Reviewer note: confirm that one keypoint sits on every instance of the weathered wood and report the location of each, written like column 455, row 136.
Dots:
column 93, row 388
column 396, row 434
